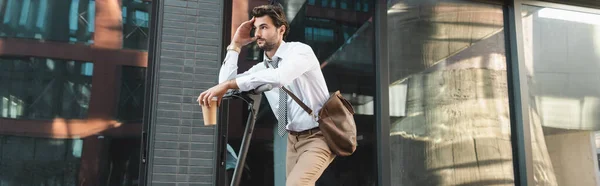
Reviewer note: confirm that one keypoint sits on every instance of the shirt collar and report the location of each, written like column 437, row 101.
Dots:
column 278, row 53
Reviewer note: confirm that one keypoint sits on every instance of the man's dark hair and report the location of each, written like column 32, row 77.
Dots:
column 275, row 12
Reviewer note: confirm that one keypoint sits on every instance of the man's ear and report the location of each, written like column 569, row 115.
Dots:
column 282, row 29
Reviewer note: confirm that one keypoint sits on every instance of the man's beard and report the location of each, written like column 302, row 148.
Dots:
column 268, row 46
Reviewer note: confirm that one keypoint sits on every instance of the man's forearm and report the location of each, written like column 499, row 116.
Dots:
column 231, row 84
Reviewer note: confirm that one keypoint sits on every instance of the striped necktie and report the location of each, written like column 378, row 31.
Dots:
column 282, row 111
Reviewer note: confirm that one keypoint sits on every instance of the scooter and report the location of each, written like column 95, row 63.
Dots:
column 253, row 98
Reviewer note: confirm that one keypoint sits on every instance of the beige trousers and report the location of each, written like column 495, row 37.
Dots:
column 307, row 157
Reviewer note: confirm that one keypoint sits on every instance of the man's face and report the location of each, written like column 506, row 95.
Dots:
column 267, row 35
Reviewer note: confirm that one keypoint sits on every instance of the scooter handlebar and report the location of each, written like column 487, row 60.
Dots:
column 262, row 88
column 256, row 91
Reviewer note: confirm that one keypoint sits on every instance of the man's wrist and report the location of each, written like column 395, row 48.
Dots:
column 234, row 47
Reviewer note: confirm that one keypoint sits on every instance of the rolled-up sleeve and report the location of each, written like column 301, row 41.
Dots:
column 297, row 62
column 229, row 68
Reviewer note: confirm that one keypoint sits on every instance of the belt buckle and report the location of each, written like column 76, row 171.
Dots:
column 310, row 131
column 294, row 133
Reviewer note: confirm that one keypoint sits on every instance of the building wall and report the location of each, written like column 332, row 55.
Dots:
column 189, row 59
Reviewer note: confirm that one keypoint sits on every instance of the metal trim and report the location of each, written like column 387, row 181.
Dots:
column 382, row 107
column 590, row 5
column 518, row 103
column 559, row 6
column 220, row 139
column 151, row 92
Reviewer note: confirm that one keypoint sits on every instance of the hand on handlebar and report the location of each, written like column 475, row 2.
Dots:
column 221, row 89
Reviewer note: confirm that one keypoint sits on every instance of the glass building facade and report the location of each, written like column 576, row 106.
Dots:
column 464, row 95
column 446, row 92
column 341, row 35
column 561, row 49
column 449, row 111
column 72, row 76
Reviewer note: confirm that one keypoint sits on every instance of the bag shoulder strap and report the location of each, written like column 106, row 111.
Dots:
column 298, row 101
column 308, row 110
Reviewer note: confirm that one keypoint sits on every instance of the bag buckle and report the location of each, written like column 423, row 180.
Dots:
column 314, row 116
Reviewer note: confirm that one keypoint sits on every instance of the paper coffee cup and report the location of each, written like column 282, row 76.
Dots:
column 210, row 113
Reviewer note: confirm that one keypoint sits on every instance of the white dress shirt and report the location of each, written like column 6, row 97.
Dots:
column 298, row 70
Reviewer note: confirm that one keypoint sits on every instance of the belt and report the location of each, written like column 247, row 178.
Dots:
column 309, row 131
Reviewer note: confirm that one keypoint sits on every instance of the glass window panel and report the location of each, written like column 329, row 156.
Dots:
column 308, row 33
column 39, row 161
column 135, row 24
column 353, row 75
column 348, row 65
column 42, row 161
column 320, row 35
column 131, row 95
column 66, row 21
column 42, row 88
column 562, row 55
column 324, row 3
column 254, row 53
column 48, row 137
column 365, row 7
column 449, row 110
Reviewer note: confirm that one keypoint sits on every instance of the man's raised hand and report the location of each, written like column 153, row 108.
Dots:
column 242, row 35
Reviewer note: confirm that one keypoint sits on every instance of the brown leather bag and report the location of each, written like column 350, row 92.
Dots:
column 336, row 122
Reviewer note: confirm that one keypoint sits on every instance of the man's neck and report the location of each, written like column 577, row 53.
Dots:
column 272, row 52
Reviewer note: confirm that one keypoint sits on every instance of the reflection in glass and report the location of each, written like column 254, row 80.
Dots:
column 448, row 94
column 39, row 161
column 135, row 24
column 55, row 20
column 42, row 88
column 122, row 162
column 50, row 133
column 562, row 55
column 44, row 161
column 344, row 46
column 131, row 95
column 343, row 41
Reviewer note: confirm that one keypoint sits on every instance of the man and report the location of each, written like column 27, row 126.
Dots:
column 294, row 66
